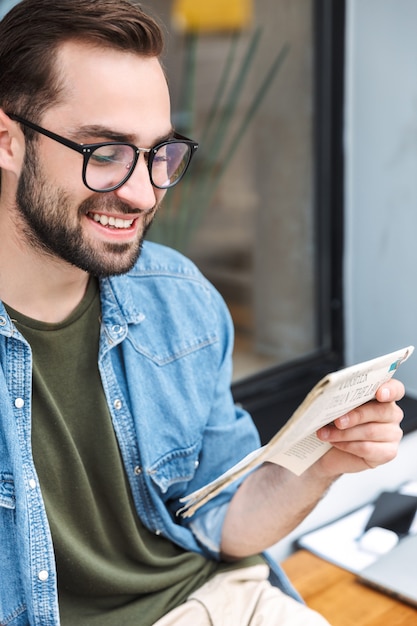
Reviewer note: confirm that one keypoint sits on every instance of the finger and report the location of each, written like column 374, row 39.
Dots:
column 373, row 411
column 391, row 391
column 380, row 423
column 372, row 453
column 355, row 457
column 368, row 431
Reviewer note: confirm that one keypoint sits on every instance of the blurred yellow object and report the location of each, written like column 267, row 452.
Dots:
column 211, row 15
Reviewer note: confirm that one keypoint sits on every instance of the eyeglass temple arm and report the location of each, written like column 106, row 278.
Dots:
column 62, row 140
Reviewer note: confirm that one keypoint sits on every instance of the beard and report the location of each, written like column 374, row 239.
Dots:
column 50, row 224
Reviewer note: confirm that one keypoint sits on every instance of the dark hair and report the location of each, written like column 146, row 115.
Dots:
column 31, row 32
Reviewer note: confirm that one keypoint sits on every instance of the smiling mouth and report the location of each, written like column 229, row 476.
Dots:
column 111, row 222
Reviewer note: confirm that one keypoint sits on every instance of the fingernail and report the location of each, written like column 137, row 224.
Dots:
column 343, row 421
column 324, row 432
column 385, row 395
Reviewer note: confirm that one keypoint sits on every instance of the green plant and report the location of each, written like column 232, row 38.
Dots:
column 185, row 205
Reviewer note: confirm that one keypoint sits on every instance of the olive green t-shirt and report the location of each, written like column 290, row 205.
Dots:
column 111, row 569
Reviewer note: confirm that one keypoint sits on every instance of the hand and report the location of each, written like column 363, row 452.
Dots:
column 272, row 501
column 367, row 436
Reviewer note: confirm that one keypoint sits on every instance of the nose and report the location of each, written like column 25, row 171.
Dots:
column 138, row 190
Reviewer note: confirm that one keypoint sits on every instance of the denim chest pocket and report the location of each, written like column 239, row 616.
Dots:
column 12, row 606
column 167, row 339
column 174, row 470
column 163, row 351
column 180, row 316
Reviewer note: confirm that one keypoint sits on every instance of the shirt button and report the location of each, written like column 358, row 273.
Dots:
column 43, row 575
column 3, row 321
column 19, row 403
column 138, row 470
column 117, row 404
column 32, row 483
column 117, row 329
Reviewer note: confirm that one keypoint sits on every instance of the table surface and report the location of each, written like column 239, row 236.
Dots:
column 341, row 598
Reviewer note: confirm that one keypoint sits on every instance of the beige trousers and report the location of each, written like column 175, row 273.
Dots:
column 241, row 597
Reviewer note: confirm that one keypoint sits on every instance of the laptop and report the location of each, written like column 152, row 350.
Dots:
column 395, row 573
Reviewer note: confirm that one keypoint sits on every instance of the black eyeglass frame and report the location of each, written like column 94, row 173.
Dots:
column 87, row 149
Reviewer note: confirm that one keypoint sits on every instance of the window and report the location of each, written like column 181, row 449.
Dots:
column 265, row 224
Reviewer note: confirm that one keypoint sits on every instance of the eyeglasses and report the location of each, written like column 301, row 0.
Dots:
column 109, row 164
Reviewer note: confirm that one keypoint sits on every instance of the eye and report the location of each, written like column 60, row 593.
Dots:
column 161, row 157
column 160, row 160
column 111, row 154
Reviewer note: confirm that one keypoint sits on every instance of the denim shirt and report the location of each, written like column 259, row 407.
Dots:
column 165, row 362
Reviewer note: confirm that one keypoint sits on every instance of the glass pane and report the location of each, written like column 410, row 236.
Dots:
column 245, row 212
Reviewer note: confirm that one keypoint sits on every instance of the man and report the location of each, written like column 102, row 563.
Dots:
column 116, row 357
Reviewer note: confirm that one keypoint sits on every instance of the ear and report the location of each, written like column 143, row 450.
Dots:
column 12, row 144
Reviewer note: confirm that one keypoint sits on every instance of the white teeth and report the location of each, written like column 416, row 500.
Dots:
column 115, row 222
column 103, row 219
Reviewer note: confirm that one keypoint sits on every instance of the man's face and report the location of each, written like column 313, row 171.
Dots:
column 108, row 95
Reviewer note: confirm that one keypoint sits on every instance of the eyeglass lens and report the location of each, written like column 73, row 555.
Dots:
column 111, row 164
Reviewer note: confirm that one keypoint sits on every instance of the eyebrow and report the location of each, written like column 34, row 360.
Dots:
column 97, row 131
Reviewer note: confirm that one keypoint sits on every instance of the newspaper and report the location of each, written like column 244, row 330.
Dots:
column 296, row 445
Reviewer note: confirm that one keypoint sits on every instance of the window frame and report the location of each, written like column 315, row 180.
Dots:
column 272, row 395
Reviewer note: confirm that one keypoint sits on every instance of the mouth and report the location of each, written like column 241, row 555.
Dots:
column 117, row 223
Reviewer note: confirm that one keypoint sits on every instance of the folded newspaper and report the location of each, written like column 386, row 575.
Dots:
column 296, row 445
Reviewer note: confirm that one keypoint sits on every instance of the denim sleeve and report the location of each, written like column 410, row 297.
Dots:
column 207, row 529
column 229, row 435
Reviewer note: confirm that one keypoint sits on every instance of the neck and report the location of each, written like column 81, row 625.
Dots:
column 47, row 299
column 36, row 284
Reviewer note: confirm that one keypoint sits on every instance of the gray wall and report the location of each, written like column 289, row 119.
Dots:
column 5, row 6
column 381, row 180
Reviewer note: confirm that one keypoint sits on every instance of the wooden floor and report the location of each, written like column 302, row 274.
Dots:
column 341, row 598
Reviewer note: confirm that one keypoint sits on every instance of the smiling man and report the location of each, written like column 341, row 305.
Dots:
column 98, row 233
column 115, row 356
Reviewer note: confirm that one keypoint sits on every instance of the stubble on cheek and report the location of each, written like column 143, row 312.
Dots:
column 51, row 221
